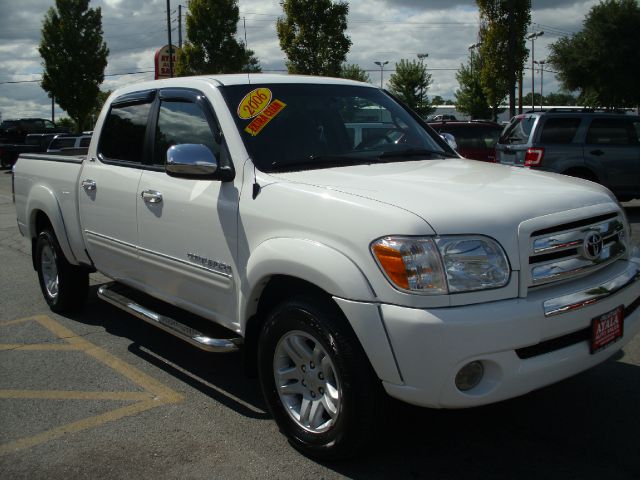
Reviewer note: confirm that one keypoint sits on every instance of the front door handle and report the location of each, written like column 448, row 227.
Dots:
column 89, row 185
column 151, row 196
column 597, row 153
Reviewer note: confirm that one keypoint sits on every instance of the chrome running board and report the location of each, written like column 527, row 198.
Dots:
column 109, row 294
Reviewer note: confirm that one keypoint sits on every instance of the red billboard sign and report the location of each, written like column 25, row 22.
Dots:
column 162, row 61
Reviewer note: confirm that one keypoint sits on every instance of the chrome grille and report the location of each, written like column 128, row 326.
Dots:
column 575, row 249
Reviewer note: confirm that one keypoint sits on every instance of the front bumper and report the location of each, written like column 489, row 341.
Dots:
column 520, row 347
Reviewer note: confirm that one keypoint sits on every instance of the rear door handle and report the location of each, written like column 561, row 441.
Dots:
column 597, row 153
column 151, row 196
column 89, row 185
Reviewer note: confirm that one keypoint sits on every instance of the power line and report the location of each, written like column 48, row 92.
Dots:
column 106, row 75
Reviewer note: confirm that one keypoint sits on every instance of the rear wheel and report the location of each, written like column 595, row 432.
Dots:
column 64, row 286
column 317, row 381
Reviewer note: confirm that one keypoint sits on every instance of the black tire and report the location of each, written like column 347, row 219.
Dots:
column 318, row 323
column 64, row 286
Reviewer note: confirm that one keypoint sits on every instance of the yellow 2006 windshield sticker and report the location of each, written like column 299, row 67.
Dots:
column 254, row 102
column 267, row 114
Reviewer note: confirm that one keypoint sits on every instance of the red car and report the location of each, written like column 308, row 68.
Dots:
column 474, row 139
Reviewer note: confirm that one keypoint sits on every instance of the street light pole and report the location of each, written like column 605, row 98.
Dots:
column 381, row 65
column 421, row 57
column 472, row 47
column 532, row 36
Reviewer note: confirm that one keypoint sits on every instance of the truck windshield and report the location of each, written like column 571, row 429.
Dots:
column 288, row 127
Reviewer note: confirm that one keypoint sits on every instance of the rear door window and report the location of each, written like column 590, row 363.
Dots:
column 611, row 131
column 123, row 133
column 559, row 130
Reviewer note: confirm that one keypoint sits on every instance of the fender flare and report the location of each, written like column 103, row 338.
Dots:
column 308, row 260
column 43, row 199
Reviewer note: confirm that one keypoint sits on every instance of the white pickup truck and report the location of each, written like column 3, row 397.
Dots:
column 260, row 212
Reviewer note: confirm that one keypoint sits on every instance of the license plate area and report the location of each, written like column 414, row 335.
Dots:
column 607, row 329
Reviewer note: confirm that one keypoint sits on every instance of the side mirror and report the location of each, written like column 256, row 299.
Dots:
column 450, row 139
column 191, row 160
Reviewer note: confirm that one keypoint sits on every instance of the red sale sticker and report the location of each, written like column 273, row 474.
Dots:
column 268, row 114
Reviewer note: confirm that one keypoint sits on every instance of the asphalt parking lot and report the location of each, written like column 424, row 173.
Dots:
column 103, row 395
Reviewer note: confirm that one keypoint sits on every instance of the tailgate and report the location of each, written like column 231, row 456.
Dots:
column 511, row 154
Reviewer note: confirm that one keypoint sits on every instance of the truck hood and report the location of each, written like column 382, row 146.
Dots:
column 458, row 196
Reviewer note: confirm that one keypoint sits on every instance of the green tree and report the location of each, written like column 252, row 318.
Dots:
column 438, row 100
column 211, row 45
column 66, row 122
column 99, row 102
column 74, row 57
column 603, row 60
column 538, row 101
column 410, row 83
column 503, row 49
column 354, row 72
column 470, row 97
column 312, row 36
column 559, row 98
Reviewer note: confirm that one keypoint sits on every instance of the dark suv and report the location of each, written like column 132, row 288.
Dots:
column 15, row 131
column 596, row 146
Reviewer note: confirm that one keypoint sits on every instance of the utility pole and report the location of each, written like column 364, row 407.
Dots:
column 541, row 63
column 510, row 60
column 169, row 35
column 180, row 26
column 53, row 109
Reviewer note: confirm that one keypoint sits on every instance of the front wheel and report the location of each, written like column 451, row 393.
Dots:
column 63, row 285
column 317, row 381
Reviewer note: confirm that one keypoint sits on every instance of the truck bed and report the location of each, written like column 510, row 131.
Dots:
column 43, row 182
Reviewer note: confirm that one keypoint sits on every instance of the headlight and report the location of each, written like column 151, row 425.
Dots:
column 439, row 265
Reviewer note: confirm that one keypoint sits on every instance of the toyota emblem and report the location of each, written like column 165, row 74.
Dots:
column 592, row 246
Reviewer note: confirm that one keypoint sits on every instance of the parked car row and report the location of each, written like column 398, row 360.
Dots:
column 597, row 146
column 44, row 142
column 474, row 139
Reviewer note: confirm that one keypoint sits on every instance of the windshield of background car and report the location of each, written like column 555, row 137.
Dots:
column 307, row 126
column 9, row 124
column 518, row 131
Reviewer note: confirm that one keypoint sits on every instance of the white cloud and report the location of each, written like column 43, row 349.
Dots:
column 386, row 30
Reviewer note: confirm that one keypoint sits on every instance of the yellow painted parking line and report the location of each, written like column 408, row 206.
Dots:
column 78, row 426
column 154, row 394
column 76, row 395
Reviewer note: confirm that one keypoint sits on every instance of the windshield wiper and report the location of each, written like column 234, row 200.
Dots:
column 413, row 152
column 320, row 161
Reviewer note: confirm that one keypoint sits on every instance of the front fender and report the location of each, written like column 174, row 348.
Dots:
column 316, row 263
column 43, row 199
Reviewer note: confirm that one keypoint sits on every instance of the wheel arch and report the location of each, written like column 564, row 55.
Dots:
column 281, row 268
column 312, row 262
column 44, row 210
column 583, row 172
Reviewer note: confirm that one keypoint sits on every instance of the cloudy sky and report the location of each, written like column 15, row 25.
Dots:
column 381, row 30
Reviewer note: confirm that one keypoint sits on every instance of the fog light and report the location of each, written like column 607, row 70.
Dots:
column 469, row 376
